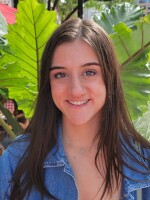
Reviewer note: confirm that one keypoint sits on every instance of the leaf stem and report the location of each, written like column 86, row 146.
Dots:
column 134, row 55
column 7, row 129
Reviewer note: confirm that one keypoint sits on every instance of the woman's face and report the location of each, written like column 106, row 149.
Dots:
column 76, row 82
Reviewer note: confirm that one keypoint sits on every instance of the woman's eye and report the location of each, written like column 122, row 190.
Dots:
column 60, row 75
column 89, row 73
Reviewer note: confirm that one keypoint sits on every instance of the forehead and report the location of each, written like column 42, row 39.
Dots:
column 74, row 51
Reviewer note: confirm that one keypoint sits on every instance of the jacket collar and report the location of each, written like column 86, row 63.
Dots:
column 57, row 158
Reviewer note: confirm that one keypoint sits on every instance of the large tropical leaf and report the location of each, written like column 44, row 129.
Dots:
column 126, row 13
column 10, row 75
column 142, row 124
column 26, row 39
column 132, row 47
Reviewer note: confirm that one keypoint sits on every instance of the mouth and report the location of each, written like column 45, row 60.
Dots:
column 78, row 103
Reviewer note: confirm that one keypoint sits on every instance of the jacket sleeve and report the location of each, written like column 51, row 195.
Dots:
column 8, row 163
column 146, row 191
column 146, row 153
column 5, row 175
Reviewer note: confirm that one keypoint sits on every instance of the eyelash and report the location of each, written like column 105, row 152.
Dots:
column 61, row 75
column 92, row 73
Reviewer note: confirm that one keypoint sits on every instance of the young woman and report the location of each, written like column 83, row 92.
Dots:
column 80, row 143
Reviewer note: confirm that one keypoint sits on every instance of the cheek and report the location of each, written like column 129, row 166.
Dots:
column 99, row 88
column 57, row 90
column 101, row 93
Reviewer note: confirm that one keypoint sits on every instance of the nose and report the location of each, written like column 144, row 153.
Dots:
column 76, row 87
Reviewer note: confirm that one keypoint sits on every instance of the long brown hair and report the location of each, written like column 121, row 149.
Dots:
column 116, row 124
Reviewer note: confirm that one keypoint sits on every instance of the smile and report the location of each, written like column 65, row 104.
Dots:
column 78, row 103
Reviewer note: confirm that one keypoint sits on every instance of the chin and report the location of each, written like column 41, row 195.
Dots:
column 78, row 122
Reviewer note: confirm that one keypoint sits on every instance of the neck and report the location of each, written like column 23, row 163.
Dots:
column 80, row 135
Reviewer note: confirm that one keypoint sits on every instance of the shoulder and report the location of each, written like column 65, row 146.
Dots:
column 141, row 153
column 10, row 159
column 135, row 167
column 134, row 149
column 18, row 146
column 14, row 152
column 136, row 161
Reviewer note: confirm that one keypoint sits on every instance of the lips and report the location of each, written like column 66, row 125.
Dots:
column 78, row 103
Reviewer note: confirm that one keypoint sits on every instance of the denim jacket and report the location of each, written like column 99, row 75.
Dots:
column 59, row 177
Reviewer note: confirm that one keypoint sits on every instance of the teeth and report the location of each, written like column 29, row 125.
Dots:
column 78, row 103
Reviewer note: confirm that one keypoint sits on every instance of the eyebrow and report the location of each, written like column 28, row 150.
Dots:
column 56, row 67
column 90, row 63
column 84, row 65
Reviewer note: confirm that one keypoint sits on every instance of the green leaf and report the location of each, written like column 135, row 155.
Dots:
column 130, row 43
column 136, row 84
column 10, row 75
column 142, row 124
column 133, row 47
column 26, row 39
column 125, row 13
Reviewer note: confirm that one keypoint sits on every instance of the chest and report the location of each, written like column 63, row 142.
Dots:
column 64, row 186
column 89, row 181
